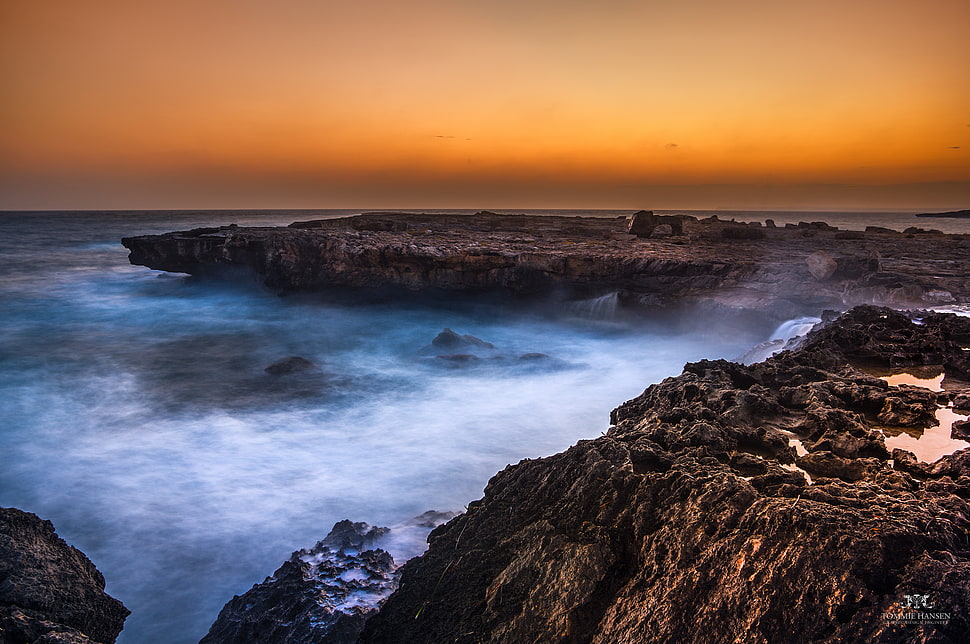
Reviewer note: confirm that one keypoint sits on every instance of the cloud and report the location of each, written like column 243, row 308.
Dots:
column 671, row 146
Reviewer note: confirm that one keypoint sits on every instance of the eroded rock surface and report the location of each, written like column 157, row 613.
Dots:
column 324, row 594
column 706, row 262
column 50, row 593
column 693, row 519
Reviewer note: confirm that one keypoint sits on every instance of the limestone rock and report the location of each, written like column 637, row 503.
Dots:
column 693, row 507
column 730, row 264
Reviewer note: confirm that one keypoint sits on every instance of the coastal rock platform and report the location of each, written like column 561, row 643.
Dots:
column 732, row 503
column 647, row 261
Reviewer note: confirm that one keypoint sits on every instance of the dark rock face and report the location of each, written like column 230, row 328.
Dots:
column 694, row 520
column 448, row 340
column 709, row 263
column 49, row 591
column 322, row 595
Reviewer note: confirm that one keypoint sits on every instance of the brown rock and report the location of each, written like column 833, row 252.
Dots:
column 821, row 265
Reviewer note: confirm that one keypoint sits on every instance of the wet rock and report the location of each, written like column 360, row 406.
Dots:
column 322, row 595
column 961, row 401
column 449, row 340
column 458, row 359
column 691, row 507
column 961, row 430
column 293, row 364
column 50, row 591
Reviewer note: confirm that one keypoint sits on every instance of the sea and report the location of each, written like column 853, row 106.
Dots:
column 138, row 415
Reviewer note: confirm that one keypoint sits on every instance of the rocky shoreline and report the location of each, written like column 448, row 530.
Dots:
column 649, row 262
column 769, row 502
column 761, row 503
column 730, row 503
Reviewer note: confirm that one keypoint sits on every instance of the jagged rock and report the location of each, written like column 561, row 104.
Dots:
column 961, row 401
column 752, row 268
column 321, row 595
column 690, row 520
column 49, row 591
column 293, row 364
column 324, row 594
column 961, row 430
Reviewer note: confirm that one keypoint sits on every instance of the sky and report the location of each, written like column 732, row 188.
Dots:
column 663, row 104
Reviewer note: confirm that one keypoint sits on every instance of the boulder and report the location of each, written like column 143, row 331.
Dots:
column 292, row 364
column 449, row 340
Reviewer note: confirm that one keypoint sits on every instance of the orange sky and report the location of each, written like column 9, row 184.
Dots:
column 485, row 103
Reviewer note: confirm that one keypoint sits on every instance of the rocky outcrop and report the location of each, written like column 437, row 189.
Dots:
column 324, row 594
column 731, row 503
column 49, row 591
column 708, row 262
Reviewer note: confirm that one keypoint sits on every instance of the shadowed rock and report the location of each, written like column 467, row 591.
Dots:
column 49, row 591
column 714, row 264
column 293, row 364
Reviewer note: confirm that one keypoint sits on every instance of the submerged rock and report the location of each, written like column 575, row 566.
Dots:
column 293, row 364
column 50, row 592
column 449, row 340
column 694, row 519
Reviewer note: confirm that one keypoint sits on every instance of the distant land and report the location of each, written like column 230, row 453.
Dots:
column 956, row 214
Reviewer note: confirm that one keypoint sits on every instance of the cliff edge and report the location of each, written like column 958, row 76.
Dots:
column 649, row 261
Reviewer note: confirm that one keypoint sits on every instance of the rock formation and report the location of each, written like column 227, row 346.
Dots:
column 50, row 593
column 322, row 595
column 713, row 263
column 727, row 504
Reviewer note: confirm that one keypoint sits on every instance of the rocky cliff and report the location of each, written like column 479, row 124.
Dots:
column 728, row 504
column 50, row 593
column 648, row 261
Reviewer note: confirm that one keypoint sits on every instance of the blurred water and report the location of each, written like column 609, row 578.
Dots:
column 138, row 416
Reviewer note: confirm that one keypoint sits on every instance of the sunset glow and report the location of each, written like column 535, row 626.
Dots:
column 466, row 103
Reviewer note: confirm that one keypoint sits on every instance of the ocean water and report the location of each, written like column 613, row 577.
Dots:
column 139, row 418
